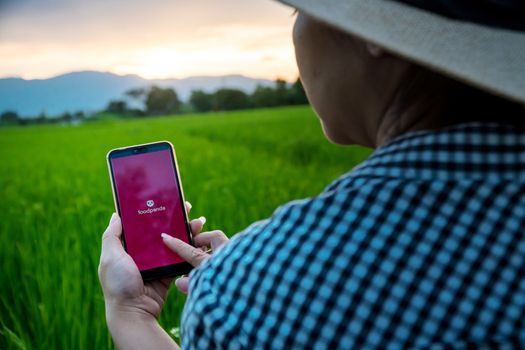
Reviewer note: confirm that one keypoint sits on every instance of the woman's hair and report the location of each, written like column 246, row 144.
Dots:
column 452, row 101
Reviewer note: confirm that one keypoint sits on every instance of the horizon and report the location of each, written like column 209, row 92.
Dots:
column 154, row 40
column 142, row 77
column 90, row 91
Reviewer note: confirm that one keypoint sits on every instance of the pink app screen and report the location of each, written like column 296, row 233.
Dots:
column 149, row 200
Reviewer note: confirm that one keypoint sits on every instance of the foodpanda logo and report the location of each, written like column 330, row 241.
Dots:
column 150, row 203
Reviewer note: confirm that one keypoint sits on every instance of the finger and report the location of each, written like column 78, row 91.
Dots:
column 166, row 282
column 193, row 255
column 215, row 239
column 160, row 286
column 196, row 225
column 182, row 284
column 188, row 207
column 111, row 243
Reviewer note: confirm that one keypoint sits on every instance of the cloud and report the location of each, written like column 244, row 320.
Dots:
column 115, row 34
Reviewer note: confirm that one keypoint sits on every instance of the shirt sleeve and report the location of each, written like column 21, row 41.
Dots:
column 205, row 323
column 208, row 319
column 203, row 317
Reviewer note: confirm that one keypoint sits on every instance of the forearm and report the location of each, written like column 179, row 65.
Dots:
column 131, row 329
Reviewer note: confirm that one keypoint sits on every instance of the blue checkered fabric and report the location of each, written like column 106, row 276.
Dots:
column 420, row 246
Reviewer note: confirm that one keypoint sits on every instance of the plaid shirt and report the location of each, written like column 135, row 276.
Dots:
column 421, row 246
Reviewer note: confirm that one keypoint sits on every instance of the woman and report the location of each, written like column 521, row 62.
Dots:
column 421, row 245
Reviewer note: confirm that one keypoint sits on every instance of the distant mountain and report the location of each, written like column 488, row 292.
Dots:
column 90, row 91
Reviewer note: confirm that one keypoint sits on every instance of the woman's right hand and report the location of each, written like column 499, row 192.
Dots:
column 205, row 242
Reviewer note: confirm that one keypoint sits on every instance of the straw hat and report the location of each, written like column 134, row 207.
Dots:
column 482, row 45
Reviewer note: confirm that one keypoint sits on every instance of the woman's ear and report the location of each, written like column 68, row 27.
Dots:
column 374, row 50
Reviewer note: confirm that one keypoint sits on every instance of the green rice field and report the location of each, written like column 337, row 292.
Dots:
column 55, row 202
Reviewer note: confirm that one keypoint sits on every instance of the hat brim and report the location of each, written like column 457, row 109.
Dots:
column 486, row 57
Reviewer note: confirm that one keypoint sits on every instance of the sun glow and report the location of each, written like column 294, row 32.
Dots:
column 158, row 63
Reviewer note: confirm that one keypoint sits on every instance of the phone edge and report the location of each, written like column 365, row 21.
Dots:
column 179, row 179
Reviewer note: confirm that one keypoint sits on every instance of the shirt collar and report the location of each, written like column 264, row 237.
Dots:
column 465, row 151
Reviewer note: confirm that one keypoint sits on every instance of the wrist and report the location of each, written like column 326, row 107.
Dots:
column 134, row 328
column 125, row 312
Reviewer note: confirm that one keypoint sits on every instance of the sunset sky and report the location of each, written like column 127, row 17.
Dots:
column 154, row 39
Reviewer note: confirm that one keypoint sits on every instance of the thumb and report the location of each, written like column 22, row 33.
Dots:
column 111, row 243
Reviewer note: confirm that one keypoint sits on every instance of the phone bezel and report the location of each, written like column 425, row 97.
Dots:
column 162, row 271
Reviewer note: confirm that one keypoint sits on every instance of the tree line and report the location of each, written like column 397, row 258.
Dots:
column 159, row 101
column 155, row 100
column 12, row 118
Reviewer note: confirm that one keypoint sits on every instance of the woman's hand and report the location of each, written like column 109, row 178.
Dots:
column 132, row 306
column 204, row 242
column 122, row 284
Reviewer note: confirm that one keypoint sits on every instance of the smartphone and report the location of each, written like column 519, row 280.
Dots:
column 148, row 197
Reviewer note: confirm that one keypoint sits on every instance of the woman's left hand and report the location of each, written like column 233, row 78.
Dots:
column 122, row 284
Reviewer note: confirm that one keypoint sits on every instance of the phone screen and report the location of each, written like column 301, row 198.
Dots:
column 150, row 203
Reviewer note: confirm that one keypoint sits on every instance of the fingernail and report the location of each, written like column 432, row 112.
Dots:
column 165, row 236
column 189, row 204
column 113, row 217
column 202, row 219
